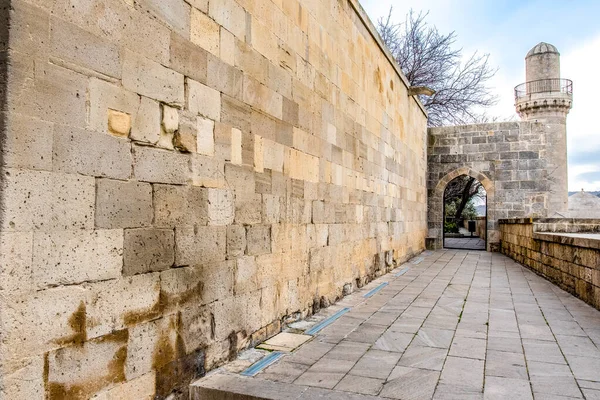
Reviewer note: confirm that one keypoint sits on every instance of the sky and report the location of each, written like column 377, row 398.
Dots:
column 507, row 30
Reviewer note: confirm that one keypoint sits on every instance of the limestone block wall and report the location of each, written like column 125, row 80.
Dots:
column 510, row 159
column 181, row 177
column 572, row 261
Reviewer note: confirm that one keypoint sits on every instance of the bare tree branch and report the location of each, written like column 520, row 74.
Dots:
column 429, row 58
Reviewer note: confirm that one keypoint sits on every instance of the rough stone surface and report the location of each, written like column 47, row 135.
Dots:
column 179, row 178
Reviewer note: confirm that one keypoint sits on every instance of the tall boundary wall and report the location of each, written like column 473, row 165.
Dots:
column 181, row 177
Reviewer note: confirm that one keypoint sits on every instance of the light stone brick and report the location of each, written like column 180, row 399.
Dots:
column 231, row 15
column 148, row 250
column 27, row 143
column 208, row 171
column 180, row 205
column 236, row 241
column 104, row 96
column 205, row 139
column 42, row 321
column 170, row 119
column 113, row 305
column 224, row 77
column 203, row 100
column 75, row 45
column 187, row 58
column 87, row 369
column 271, row 209
column 37, row 200
column 204, row 32
column 174, row 13
column 119, row 123
column 146, row 122
column 123, row 204
column 151, row 79
column 259, row 240
column 185, row 139
column 263, row 98
column 52, row 94
column 201, row 5
column 70, row 257
column 274, row 155
column 200, row 245
column 78, row 151
column 220, row 206
column 160, row 166
column 227, row 47
column 142, row 387
column 247, row 275
column 16, row 258
column 26, row 380
column 236, row 146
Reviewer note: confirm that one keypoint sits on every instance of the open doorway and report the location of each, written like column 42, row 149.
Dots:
column 465, row 214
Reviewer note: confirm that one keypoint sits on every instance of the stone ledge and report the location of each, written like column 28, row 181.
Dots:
column 589, row 240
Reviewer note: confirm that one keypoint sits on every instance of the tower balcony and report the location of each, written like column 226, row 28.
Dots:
column 544, row 97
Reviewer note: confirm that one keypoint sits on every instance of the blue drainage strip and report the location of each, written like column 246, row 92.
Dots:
column 427, row 253
column 417, row 260
column 405, row 270
column 262, row 364
column 377, row 289
column 326, row 322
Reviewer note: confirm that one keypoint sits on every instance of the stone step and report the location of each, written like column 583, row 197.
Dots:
column 227, row 386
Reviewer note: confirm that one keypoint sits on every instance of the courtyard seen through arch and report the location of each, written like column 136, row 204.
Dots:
column 465, row 214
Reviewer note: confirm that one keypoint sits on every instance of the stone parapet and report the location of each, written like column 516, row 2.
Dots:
column 570, row 260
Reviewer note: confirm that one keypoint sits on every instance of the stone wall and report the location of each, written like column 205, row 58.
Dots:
column 179, row 177
column 570, row 260
column 510, row 159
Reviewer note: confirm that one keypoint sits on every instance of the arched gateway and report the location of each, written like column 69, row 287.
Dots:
column 522, row 165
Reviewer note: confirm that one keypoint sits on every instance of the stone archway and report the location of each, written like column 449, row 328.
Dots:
column 436, row 208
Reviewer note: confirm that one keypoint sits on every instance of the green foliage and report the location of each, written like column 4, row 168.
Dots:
column 450, row 227
column 470, row 211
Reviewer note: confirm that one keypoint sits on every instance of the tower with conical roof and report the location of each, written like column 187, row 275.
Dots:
column 545, row 100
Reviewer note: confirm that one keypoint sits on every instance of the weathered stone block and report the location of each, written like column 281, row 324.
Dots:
column 205, row 140
column 231, row 15
column 23, row 379
column 236, row 146
column 203, row 100
column 186, row 136
column 53, row 93
column 200, row 245
column 91, row 153
column 220, row 207
column 259, row 240
column 81, row 371
column 69, row 257
column 70, row 43
column 235, row 113
column 115, row 304
column 204, row 32
column 42, row 200
column 200, row 284
column 236, row 241
column 151, row 79
column 187, row 58
column 42, row 321
column 16, row 257
column 148, row 250
column 123, row 204
column 271, row 209
column 160, row 166
column 146, row 123
column 179, row 205
column 227, row 47
column 104, row 96
column 27, row 143
column 247, row 275
column 143, row 387
column 207, row 171
column 262, row 98
column 224, row 78
column 174, row 13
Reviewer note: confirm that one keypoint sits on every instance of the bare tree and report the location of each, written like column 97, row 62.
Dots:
column 429, row 58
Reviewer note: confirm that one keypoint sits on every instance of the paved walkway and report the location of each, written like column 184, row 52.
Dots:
column 455, row 325
column 467, row 243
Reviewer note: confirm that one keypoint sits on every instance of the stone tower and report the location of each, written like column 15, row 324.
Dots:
column 545, row 100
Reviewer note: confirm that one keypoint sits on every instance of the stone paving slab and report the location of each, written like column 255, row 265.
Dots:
column 457, row 325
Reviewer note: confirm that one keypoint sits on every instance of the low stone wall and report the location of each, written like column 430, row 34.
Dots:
column 570, row 260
